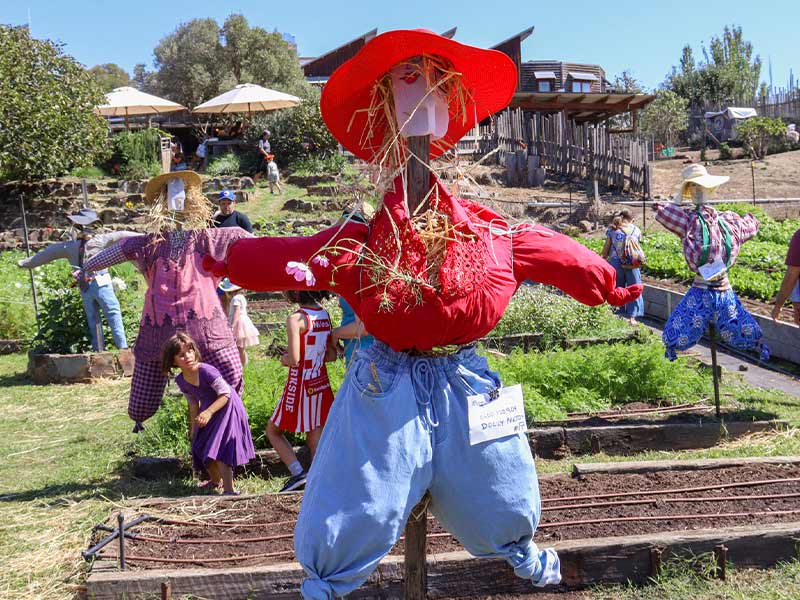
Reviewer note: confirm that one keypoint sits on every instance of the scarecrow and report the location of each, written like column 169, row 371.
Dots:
column 180, row 296
column 711, row 242
column 428, row 276
column 97, row 291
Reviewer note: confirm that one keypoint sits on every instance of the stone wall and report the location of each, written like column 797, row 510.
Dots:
column 119, row 204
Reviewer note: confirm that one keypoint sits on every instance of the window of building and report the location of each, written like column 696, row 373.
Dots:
column 581, row 87
column 545, row 86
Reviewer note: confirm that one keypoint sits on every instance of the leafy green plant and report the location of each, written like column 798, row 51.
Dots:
column 537, row 309
column 317, row 165
column 759, row 133
column 46, row 108
column 227, row 164
column 62, row 321
column 725, row 152
column 87, row 172
column 138, row 153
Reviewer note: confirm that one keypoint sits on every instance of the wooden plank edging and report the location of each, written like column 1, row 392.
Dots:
column 653, row 466
column 455, row 574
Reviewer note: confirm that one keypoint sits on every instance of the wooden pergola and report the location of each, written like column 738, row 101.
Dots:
column 583, row 108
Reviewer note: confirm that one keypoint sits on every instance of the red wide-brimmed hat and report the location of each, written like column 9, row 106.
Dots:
column 489, row 76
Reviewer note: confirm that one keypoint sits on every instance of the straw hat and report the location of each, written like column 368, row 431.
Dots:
column 489, row 77
column 155, row 186
column 698, row 175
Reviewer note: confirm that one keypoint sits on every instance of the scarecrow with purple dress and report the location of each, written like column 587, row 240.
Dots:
column 180, row 296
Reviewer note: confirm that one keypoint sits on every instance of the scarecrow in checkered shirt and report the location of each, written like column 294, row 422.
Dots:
column 180, row 296
column 711, row 243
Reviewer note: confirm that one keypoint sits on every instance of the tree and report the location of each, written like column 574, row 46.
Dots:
column 760, row 135
column 666, row 117
column 200, row 60
column 143, row 79
column 109, row 76
column 47, row 102
column 729, row 71
column 626, row 83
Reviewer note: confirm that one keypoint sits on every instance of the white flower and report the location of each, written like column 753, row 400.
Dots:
column 17, row 284
column 119, row 283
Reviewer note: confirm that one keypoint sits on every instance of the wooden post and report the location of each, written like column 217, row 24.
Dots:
column 416, row 568
column 714, row 368
column 28, row 254
column 418, row 173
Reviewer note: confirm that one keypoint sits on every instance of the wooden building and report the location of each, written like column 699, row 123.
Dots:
column 558, row 76
column 318, row 70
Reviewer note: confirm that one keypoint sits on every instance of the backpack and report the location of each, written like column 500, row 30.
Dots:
column 629, row 252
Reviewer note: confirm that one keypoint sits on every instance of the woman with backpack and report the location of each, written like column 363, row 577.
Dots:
column 624, row 251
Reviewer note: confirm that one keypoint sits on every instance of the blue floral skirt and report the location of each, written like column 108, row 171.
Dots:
column 699, row 307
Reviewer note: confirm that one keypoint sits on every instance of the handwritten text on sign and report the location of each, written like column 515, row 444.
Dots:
column 493, row 419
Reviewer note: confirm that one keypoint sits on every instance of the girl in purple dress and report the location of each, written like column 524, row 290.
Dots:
column 218, row 425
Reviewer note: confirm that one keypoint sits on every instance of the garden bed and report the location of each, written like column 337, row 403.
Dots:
column 604, row 526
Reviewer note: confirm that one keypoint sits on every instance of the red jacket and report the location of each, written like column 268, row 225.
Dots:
column 391, row 292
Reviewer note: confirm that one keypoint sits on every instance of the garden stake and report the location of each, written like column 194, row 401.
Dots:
column 753, row 177
column 166, row 590
column 714, row 367
column 85, row 194
column 721, row 556
column 27, row 255
column 121, row 536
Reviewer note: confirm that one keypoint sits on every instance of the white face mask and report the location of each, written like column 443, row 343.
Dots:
column 176, row 195
column 418, row 112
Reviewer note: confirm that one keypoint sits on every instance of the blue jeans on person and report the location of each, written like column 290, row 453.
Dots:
column 102, row 297
column 626, row 277
column 398, row 428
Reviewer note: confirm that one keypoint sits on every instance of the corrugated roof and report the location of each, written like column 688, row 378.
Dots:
column 544, row 74
column 582, row 75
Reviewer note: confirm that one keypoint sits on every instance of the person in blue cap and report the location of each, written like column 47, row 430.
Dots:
column 227, row 216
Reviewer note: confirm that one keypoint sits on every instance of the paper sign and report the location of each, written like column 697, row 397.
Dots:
column 490, row 419
column 102, row 279
column 713, row 271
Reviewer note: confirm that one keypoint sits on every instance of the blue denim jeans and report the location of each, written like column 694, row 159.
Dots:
column 399, row 428
column 626, row 277
column 96, row 298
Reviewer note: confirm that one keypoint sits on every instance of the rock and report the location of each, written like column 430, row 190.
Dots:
column 322, row 190
column 149, row 467
column 134, row 198
column 126, row 362
column 247, row 182
column 70, row 368
column 585, row 226
column 112, row 215
column 91, row 187
column 298, row 205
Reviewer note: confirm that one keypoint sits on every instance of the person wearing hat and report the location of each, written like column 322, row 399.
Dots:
column 227, row 216
column 235, row 305
column 427, row 282
column 180, row 295
column 711, row 242
column 264, row 150
column 97, row 292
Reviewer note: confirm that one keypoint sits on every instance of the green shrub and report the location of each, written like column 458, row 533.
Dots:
column 759, row 134
column 137, row 169
column 316, row 165
column 88, row 172
column 62, row 321
column 725, row 152
column 227, row 164
column 17, row 317
column 538, row 309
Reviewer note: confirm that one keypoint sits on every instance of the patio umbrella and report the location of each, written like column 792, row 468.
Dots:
column 125, row 101
column 249, row 98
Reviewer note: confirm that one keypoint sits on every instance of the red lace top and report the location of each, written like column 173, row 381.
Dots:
column 389, row 287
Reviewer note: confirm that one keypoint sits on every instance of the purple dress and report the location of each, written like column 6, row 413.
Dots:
column 226, row 437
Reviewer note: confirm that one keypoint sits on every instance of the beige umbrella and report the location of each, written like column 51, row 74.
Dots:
column 125, row 101
column 249, row 98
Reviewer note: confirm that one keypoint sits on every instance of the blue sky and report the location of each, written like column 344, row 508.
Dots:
column 644, row 37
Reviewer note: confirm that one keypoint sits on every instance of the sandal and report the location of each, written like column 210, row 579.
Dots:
column 232, row 493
